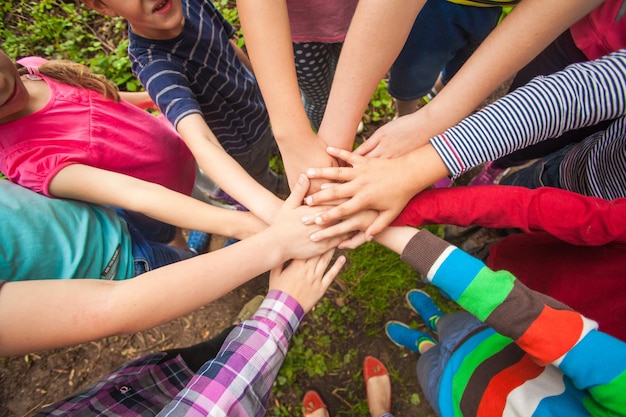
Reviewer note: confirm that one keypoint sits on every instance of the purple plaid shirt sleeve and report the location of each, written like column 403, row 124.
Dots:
column 238, row 381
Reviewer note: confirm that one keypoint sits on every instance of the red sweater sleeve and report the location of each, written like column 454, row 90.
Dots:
column 571, row 217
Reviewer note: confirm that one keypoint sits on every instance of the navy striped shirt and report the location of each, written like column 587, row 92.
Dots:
column 199, row 72
column 581, row 95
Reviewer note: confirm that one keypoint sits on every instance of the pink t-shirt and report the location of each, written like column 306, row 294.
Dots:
column 79, row 126
column 324, row 21
column 602, row 31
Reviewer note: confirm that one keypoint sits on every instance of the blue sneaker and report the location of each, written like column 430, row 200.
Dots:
column 402, row 335
column 425, row 307
column 198, row 241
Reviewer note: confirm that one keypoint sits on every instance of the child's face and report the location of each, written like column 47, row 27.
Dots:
column 152, row 19
column 13, row 93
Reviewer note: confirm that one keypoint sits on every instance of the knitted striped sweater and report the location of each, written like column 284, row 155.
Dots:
column 537, row 357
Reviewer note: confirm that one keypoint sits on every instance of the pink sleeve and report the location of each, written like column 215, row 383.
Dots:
column 571, row 217
column 34, row 167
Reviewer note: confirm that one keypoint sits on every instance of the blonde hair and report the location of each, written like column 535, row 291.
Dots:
column 77, row 75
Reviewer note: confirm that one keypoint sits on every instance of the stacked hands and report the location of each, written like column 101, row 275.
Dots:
column 360, row 199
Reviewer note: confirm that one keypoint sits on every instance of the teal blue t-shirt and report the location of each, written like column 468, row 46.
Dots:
column 47, row 238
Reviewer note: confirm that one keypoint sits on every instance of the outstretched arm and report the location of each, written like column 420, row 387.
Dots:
column 571, row 217
column 376, row 36
column 268, row 41
column 224, row 170
column 140, row 99
column 37, row 315
column 525, row 32
column 118, row 190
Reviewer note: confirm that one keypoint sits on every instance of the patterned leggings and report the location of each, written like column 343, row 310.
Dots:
column 315, row 67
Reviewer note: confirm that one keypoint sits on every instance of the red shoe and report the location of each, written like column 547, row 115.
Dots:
column 311, row 402
column 372, row 367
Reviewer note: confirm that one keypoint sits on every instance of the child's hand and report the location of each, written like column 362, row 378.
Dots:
column 292, row 234
column 306, row 280
column 355, row 225
column 383, row 185
column 310, row 151
column 393, row 140
column 371, row 183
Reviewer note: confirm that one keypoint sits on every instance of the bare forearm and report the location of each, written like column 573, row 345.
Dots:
column 396, row 238
column 242, row 55
column 224, row 170
column 268, row 40
column 37, row 315
column 378, row 25
column 154, row 200
column 188, row 213
column 531, row 27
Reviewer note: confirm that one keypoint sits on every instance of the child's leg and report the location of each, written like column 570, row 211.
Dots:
column 315, row 67
column 149, row 228
column 452, row 329
column 476, row 23
column 543, row 173
column 440, row 31
column 197, row 355
column 151, row 254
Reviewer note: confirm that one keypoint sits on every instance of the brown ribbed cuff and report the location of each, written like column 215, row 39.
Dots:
column 423, row 250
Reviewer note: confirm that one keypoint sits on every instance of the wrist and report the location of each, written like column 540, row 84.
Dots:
column 396, row 238
column 426, row 165
column 279, row 252
column 292, row 128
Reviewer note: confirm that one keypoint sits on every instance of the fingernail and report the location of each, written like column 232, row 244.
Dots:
column 310, row 172
column 318, row 220
column 308, row 200
column 314, row 237
column 305, row 219
column 325, row 186
column 330, row 148
column 301, row 178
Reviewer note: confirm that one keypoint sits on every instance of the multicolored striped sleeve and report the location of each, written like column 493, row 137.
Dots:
column 547, row 330
column 238, row 381
column 581, row 95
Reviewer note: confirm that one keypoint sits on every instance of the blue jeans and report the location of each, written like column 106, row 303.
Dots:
column 543, row 173
column 149, row 238
column 451, row 330
column 443, row 37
